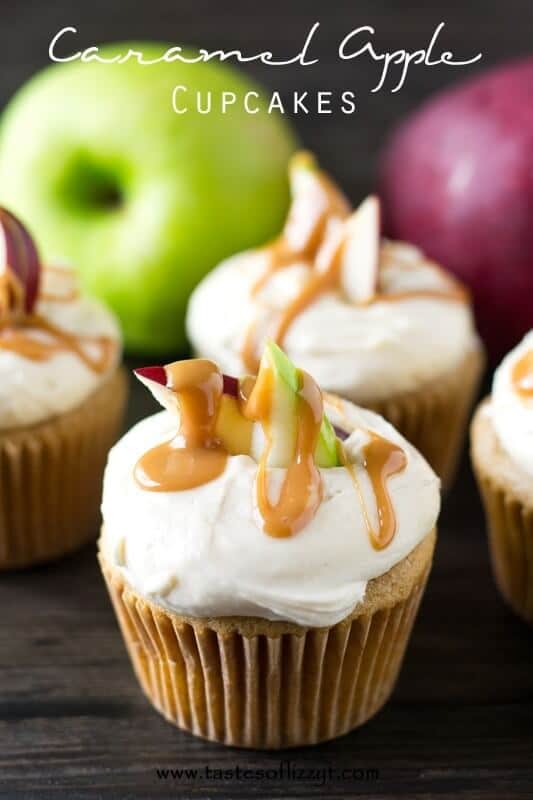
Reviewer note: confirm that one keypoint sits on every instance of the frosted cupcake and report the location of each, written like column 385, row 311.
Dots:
column 61, row 401
column 502, row 455
column 374, row 321
column 266, row 549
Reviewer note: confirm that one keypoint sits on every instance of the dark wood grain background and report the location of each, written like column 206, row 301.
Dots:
column 73, row 723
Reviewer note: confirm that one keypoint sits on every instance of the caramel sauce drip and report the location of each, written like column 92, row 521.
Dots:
column 194, row 456
column 300, row 494
column 454, row 292
column 522, row 376
column 36, row 338
column 17, row 337
column 381, row 459
column 324, row 279
column 12, row 295
column 282, row 254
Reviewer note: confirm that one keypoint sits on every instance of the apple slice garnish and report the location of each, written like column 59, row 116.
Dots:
column 340, row 433
column 155, row 379
column 19, row 261
column 360, row 255
column 231, row 386
column 237, row 434
column 314, row 199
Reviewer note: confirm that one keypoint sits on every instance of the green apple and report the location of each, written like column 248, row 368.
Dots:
column 142, row 200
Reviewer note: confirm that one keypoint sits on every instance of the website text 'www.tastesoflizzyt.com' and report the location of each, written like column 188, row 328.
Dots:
column 284, row 771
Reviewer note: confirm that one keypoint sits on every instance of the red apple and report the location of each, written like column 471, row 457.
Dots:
column 18, row 254
column 457, row 179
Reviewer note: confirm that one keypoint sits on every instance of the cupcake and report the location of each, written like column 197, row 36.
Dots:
column 62, row 396
column 266, row 548
column 374, row 321
column 502, row 456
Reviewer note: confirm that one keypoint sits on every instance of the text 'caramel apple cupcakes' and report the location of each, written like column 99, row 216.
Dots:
column 266, row 550
column 373, row 321
column 502, row 456
column 62, row 394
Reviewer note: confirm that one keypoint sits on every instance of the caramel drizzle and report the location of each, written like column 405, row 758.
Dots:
column 381, row 460
column 194, row 456
column 522, row 376
column 322, row 280
column 282, row 254
column 56, row 297
column 12, row 295
column 301, row 490
column 16, row 326
column 15, row 338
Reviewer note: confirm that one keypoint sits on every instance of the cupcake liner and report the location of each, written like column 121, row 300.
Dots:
column 434, row 418
column 248, row 682
column 508, row 503
column 51, row 478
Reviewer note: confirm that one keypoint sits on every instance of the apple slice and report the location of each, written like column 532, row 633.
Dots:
column 340, row 433
column 18, row 258
column 232, row 429
column 326, row 453
column 360, row 256
column 283, row 412
column 273, row 403
column 241, row 436
column 314, row 199
column 155, row 379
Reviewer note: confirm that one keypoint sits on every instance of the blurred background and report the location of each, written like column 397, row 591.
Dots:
column 347, row 145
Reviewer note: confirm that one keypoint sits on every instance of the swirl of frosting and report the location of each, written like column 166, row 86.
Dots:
column 54, row 357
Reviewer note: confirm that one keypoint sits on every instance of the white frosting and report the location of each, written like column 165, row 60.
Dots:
column 203, row 551
column 365, row 353
column 33, row 391
column 512, row 415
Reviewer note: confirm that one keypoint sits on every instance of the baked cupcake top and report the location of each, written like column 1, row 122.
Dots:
column 261, row 497
column 56, row 346
column 511, row 403
column 367, row 317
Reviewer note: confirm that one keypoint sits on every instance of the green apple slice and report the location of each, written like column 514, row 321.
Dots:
column 284, row 410
column 326, row 453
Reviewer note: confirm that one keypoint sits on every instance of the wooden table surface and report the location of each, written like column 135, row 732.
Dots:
column 73, row 722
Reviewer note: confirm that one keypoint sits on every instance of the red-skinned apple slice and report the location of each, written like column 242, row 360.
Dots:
column 232, row 428
column 155, row 379
column 360, row 258
column 236, row 432
column 158, row 375
column 18, row 256
column 231, row 385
